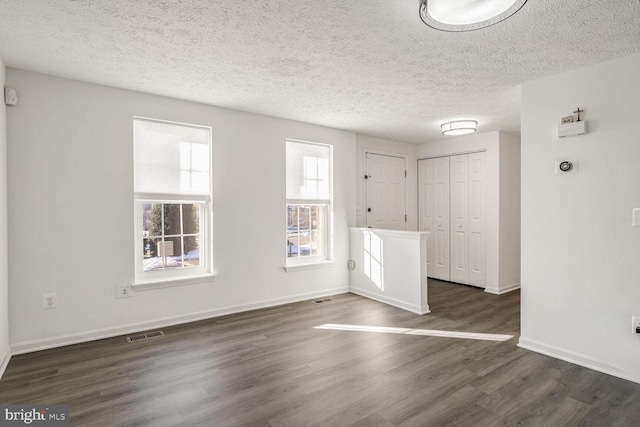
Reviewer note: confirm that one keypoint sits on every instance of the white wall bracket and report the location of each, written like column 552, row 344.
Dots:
column 572, row 129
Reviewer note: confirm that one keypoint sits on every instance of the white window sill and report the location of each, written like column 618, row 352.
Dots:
column 178, row 281
column 310, row 266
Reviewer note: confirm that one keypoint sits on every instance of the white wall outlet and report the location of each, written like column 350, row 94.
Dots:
column 358, row 210
column 123, row 291
column 351, row 264
column 635, row 217
column 49, row 301
column 10, row 96
column 635, row 323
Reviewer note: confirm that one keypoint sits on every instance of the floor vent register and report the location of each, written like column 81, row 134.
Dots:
column 143, row 337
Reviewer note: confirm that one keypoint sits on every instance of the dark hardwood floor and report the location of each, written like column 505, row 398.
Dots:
column 272, row 367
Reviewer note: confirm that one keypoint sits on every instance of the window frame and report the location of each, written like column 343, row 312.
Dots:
column 175, row 276
column 312, row 261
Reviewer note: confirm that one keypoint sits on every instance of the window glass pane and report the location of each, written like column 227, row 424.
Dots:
column 172, row 223
column 154, row 224
column 305, row 230
column 168, row 251
column 151, row 260
column 293, row 240
column 191, row 252
column 314, row 222
column 146, row 218
column 315, row 245
column 191, row 218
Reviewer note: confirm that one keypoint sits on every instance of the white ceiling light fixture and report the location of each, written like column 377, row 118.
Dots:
column 459, row 127
column 466, row 15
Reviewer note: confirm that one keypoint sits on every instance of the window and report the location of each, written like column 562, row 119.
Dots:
column 309, row 204
column 172, row 187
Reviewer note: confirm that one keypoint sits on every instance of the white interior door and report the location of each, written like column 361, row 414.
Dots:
column 477, row 220
column 385, row 191
column 434, row 214
column 459, row 205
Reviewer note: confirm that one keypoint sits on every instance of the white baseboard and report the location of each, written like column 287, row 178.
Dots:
column 578, row 359
column 391, row 301
column 501, row 291
column 63, row 340
column 5, row 362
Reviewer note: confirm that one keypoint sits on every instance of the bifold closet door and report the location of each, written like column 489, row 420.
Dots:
column 459, row 205
column 468, row 219
column 477, row 220
column 452, row 208
column 434, row 214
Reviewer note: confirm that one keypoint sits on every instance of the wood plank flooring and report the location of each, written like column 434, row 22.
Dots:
column 271, row 367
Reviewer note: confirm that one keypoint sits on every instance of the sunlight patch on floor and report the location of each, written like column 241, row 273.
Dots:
column 423, row 332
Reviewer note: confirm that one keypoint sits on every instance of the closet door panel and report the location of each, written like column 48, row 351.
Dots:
column 434, row 214
column 426, row 207
column 477, row 220
column 459, row 197
column 441, row 268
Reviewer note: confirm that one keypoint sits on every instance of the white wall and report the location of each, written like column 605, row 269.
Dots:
column 372, row 144
column 391, row 266
column 4, row 277
column 509, row 211
column 71, row 212
column 503, row 200
column 580, row 255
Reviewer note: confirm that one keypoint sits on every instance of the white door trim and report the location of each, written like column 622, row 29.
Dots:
column 454, row 153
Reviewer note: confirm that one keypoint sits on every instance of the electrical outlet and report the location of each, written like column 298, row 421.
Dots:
column 351, row 264
column 635, row 323
column 49, row 301
column 123, row 291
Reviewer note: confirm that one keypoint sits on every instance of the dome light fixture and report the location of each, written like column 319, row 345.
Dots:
column 466, row 15
column 459, row 127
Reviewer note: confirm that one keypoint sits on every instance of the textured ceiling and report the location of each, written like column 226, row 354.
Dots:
column 368, row 66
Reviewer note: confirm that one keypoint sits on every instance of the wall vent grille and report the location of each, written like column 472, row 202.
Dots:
column 147, row 336
column 322, row 301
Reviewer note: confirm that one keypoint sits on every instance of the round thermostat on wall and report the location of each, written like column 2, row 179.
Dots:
column 566, row 166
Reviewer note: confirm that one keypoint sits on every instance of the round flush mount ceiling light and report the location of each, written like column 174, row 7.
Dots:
column 459, row 127
column 466, row 15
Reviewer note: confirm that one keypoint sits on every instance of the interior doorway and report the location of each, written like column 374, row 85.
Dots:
column 385, row 191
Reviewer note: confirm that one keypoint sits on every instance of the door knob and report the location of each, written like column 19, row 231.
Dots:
column 368, row 209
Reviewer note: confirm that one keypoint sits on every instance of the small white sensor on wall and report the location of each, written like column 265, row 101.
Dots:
column 566, row 166
column 10, row 96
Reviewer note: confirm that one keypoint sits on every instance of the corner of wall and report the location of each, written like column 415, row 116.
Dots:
column 509, row 212
column 5, row 350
